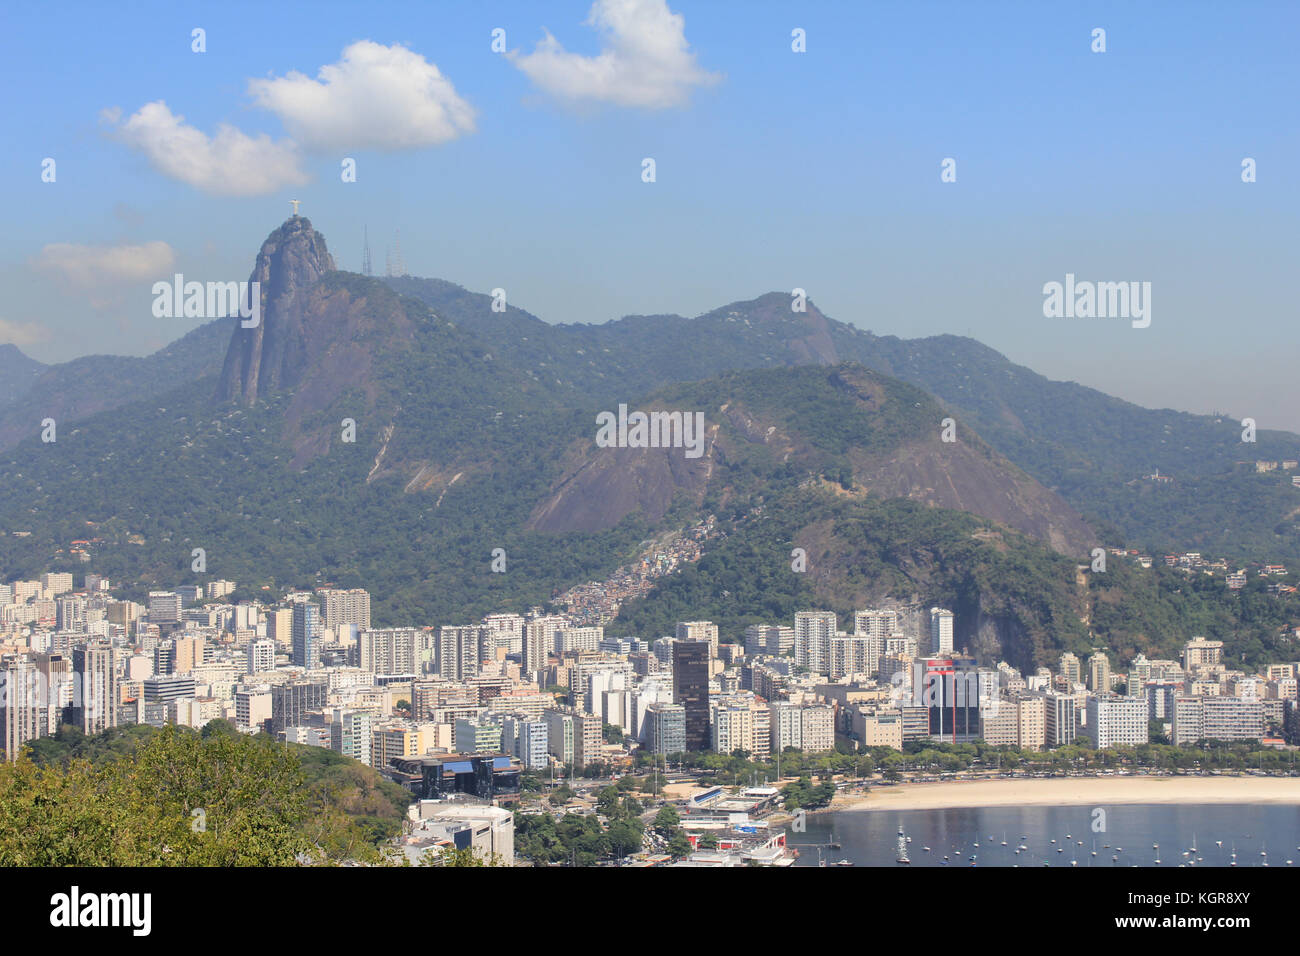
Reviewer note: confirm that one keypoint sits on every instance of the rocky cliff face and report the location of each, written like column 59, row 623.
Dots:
column 272, row 355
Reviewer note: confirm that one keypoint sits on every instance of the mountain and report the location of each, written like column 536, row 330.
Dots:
column 17, row 373
column 366, row 437
column 73, row 391
column 879, row 436
column 279, row 349
column 1091, row 448
column 459, row 449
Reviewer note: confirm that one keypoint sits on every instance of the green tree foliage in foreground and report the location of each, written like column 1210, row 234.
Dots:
column 173, row 797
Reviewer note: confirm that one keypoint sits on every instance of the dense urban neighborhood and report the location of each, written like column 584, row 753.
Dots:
column 538, row 738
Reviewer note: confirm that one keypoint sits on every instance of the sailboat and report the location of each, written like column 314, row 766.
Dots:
column 902, row 847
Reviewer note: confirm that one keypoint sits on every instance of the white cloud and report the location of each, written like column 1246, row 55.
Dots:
column 375, row 97
column 231, row 163
column 87, row 267
column 644, row 60
column 22, row 333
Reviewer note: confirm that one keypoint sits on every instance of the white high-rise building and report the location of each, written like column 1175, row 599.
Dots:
column 698, row 631
column 507, row 630
column 650, row 692
column 55, row 583
column 1117, row 721
column 261, row 656
column 813, row 631
column 22, row 717
column 786, row 726
column 252, row 708
column 578, row 639
column 350, row 734
column 525, row 738
column 340, row 607
column 851, row 655
column 768, row 639
column 539, row 641
column 459, row 650
column 875, row 622
column 164, row 607
column 393, row 650
column 940, row 631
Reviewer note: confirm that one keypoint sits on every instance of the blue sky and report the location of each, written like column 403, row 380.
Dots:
column 774, row 169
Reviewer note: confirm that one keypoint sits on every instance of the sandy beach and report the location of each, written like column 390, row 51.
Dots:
column 1077, row 791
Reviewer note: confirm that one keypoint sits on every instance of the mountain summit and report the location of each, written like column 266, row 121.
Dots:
column 269, row 356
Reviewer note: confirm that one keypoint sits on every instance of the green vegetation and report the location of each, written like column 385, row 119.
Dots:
column 867, row 549
column 576, row 839
column 138, row 796
column 804, row 794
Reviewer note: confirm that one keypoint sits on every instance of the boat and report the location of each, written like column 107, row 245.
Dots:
column 902, row 847
column 843, row 862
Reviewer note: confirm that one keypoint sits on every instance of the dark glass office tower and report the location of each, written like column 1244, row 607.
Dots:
column 691, row 690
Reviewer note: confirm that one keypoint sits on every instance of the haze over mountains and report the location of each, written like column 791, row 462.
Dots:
column 474, row 430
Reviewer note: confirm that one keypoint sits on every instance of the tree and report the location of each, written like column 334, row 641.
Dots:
column 607, row 801
column 181, row 800
column 624, row 837
column 679, row 845
column 667, row 818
